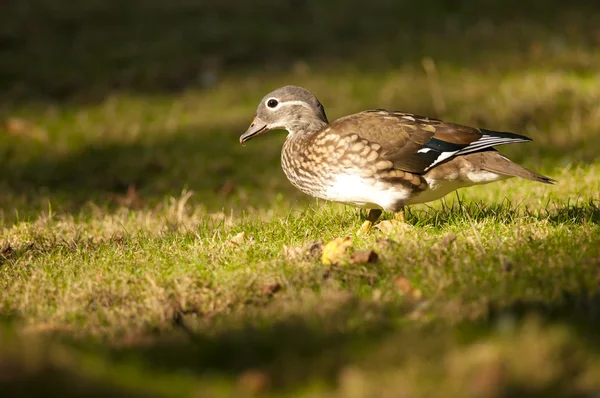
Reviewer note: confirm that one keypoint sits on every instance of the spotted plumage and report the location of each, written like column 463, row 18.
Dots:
column 380, row 159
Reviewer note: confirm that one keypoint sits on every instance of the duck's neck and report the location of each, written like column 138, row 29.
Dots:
column 304, row 127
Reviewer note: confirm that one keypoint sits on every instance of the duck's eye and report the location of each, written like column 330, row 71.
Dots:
column 272, row 103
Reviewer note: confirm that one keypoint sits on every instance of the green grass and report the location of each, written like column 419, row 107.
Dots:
column 144, row 252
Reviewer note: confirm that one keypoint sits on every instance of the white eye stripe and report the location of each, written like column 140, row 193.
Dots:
column 286, row 103
column 301, row 103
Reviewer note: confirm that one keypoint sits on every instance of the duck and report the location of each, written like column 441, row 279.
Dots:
column 381, row 160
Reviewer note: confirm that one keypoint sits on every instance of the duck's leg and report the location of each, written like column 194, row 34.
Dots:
column 371, row 218
column 399, row 216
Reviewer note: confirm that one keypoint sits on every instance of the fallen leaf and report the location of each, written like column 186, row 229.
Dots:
column 24, row 128
column 315, row 250
column 508, row 266
column 403, row 284
column 270, row 289
column 448, row 240
column 254, row 381
column 335, row 251
column 407, row 288
column 385, row 243
column 130, row 199
column 389, row 226
column 364, row 257
column 227, row 188
column 16, row 126
column 6, row 250
column 292, row 252
column 376, row 296
column 488, row 380
column 238, row 239
column 304, row 252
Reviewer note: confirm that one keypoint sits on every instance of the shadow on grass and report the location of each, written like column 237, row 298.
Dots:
column 56, row 382
column 580, row 310
column 459, row 213
column 64, row 49
column 282, row 348
column 290, row 352
column 211, row 162
column 575, row 214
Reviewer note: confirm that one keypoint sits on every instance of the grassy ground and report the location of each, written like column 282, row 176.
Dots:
column 144, row 252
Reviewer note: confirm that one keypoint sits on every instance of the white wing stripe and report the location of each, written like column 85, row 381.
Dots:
column 486, row 144
column 443, row 156
column 486, row 141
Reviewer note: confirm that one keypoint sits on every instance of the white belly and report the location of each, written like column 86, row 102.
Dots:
column 367, row 193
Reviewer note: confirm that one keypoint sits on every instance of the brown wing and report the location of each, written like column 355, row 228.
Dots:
column 416, row 143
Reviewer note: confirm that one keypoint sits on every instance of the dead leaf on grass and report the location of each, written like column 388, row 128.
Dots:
column 364, row 257
column 6, row 251
column 315, row 250
column 448, row 240
column 305, row 252
column 270, row 289
column 407, row 288
column 131, row 199
column 507, row 266
column 24, row 128
column 335, row 251
column 254, row 381
column 386, row 244
column 239, row 239
column 227, row 188
column 393, row 226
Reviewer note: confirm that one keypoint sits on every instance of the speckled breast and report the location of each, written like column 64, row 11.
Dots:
column 346, row 168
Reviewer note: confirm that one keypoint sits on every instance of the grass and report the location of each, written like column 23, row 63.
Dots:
column 144, row 252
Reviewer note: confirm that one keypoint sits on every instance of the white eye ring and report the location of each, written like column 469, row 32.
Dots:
column 272, row 103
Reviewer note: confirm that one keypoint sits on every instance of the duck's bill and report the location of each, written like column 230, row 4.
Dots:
column 256, row 127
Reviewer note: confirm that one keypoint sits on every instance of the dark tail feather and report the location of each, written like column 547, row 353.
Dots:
column 496, row 163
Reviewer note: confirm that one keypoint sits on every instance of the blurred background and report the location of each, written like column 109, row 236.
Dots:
column 108, row 106
column 125, row 102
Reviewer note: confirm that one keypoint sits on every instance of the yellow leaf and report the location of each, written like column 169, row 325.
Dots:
column 334, row 251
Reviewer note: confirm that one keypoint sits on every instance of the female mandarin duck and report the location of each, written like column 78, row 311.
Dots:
column 380, row 159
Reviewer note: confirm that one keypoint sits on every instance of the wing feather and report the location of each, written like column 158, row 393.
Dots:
column 416, row 143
